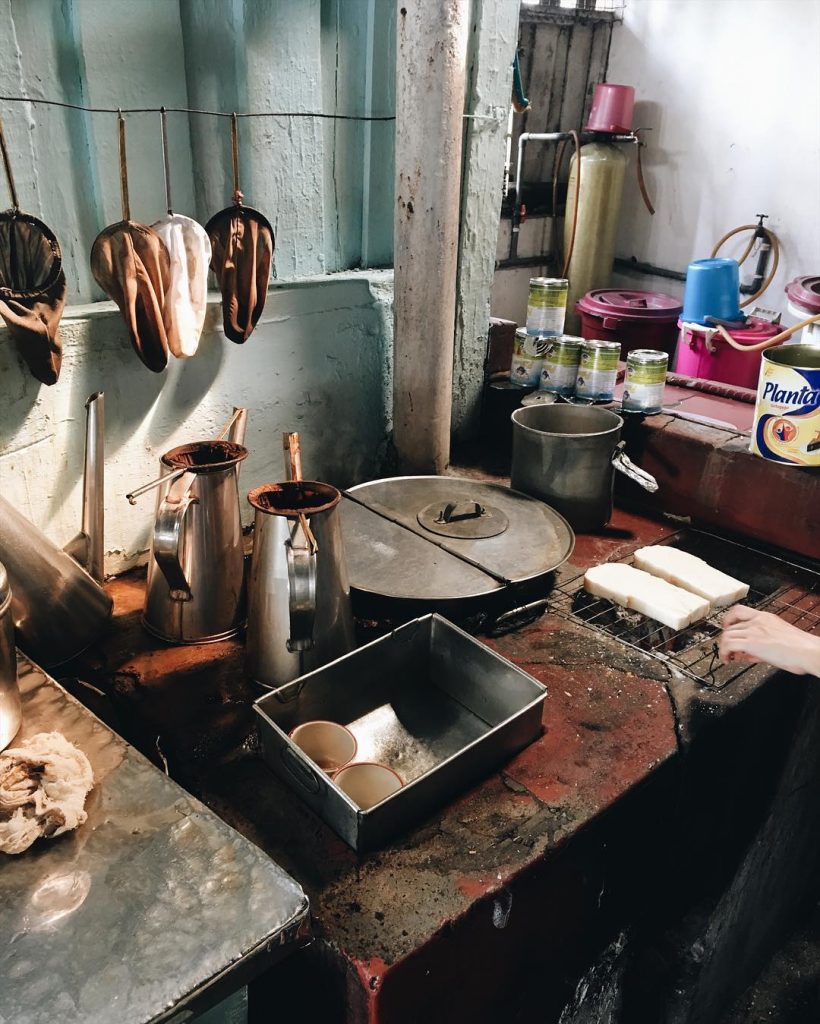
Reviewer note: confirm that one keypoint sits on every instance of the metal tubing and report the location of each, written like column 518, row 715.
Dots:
column 87, row 548
column 93, row 521
column 523, row 139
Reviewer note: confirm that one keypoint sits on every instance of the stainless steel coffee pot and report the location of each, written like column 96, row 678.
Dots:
column 10, row 709
column 58, row 607
column 299, row 612
column 195, row 592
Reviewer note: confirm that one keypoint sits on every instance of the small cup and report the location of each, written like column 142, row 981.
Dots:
column 330, row 745
column 367, row 783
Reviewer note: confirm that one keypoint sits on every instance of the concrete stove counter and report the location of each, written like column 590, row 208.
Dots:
column 492, row 909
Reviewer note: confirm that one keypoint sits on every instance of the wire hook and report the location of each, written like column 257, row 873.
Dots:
column 237, row 192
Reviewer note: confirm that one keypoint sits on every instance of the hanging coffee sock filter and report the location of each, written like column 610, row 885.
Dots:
column 242, row 242
column 189, row 248
column 32, row 284
column 131, row 264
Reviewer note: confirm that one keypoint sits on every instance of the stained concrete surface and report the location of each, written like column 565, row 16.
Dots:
column 788, row 989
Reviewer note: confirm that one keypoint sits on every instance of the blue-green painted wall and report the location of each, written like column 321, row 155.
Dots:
column 327, row 187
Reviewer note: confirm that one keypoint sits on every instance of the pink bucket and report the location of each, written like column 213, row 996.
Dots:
column 612, row 108
column 703, row 353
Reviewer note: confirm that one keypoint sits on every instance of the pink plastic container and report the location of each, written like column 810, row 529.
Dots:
column 703, row 353
column 612, row 108
column 636, row 319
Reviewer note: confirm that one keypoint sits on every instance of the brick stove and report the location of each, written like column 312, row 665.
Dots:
column 639, row 860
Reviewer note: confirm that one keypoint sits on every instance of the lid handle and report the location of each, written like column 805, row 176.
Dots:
column 451, row 514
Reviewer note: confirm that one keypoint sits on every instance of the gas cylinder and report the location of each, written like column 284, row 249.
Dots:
column 603, row 168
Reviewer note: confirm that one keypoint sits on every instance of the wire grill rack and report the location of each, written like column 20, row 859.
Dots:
column 789, row 591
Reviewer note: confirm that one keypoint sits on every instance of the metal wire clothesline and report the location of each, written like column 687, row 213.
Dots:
column 225, row 113
column 195, row 110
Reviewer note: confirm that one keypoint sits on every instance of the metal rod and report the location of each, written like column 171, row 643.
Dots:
column 167, row 479
column 93, row 521
column 163, row 128
column 126, row 205
column 7, row 165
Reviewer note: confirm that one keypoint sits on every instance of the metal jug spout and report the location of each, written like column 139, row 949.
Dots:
column 88, row 547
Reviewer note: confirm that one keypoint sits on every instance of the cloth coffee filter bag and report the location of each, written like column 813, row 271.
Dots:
column 242, row 242
column 131, row 264
column 32, row 284
column 189, row 249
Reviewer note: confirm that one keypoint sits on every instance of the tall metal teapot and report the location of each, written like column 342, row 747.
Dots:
column 195, row 591
column 299, row 611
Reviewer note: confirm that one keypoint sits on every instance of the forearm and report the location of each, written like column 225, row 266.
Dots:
column 810, row 657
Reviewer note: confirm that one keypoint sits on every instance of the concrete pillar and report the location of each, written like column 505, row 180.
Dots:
column 493, row 40
column 430, row 87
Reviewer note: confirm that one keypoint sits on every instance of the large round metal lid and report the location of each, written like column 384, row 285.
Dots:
column 630, row 305
column 441, row 538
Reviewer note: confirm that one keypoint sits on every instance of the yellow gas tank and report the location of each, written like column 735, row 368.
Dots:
column 603, row 168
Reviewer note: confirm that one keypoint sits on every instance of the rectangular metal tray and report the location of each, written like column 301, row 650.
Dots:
column 428, row 700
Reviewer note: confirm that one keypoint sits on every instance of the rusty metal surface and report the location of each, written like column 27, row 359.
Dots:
column 144, row 911
column 612, row 718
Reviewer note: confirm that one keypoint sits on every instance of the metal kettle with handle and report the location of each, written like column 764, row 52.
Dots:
column 195, row 591
column 299, row 611
column 57, row 606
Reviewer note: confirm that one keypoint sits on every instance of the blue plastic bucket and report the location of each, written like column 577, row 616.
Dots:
column 712, row 289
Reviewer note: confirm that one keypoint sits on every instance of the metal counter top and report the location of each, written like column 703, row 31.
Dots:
column 151, row 911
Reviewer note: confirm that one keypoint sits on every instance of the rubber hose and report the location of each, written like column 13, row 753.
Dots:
column 770, row 341
column 568, row 255
column 775, row 244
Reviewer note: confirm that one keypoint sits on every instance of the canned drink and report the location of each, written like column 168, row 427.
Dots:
column 527, row 359
column 598, row 371
column 645, row 380
column 561, row 358
column 547, row 306
column 787, row 414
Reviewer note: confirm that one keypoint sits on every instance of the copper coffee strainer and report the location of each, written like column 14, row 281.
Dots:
column 242, row 244
column 32, row 284
column 131, row 264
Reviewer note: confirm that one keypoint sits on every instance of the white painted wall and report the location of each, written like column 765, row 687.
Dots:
column 318, row 362
column 731, row 91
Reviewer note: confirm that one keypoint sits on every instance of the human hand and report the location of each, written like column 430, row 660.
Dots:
column 752, row 635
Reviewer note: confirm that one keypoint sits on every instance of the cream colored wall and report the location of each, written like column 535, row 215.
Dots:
column 731, row 91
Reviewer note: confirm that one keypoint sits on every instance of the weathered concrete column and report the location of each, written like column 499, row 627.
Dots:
column 493, row 41
column 430, row 87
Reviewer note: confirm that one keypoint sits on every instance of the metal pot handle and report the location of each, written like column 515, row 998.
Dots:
column 168, row 536
column 622, row 462
column 302, row 581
